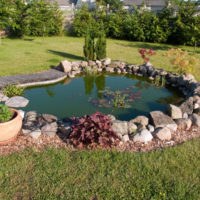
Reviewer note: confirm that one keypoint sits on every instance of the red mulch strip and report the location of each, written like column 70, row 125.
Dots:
column 44, row 141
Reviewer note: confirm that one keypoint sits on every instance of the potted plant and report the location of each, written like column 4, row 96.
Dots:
column 10, row 124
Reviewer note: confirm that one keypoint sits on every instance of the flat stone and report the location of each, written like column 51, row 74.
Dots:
column 187, row 106
column 17, row 102
column 35, row 134
column 120, row 127
column 174, row 111
column 159, row 119
column 66, row 66
column 140, row 120
column 163, row 133
column 144, row 136
column 183, row 124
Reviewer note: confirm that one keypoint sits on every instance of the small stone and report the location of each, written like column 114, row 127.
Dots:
column 185, row 115
column 183, row 124
column 174, row 111
column 17, row 102
column 196, row 106
column 150, row 128
column 144, row 136
column 163, row 133
column 22, row 113
column 112, row 117
column 106, row 61
column 125, row 138
column 35, row 134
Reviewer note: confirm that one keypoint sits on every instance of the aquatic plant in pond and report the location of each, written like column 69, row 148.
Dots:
column 116, row 99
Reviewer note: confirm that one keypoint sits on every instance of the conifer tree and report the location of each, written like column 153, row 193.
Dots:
column 88, row 49
column 100, row 47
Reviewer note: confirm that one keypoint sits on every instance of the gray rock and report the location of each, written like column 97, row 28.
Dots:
column 174, row 111
column 196, row 105
column 84, row 64
column 195, row 120
column 140, row 120
column 185, row 115
column 132, row 128
column 106, row 61
column 44, row 119
column 91, row 63
column 65, row 128
column 50, row 129
column 35, row 134
column 66, row 66
column 150, row 128
column 120, row 127
column 143, row 136
column 183, row 124
column 112, row 118
column 109, row 69
column 163, row 133
column 187, row 106
column 159, row 119
column 17, row 102
column 30, row 116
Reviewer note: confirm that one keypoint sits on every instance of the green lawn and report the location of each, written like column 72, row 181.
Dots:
column 38, row 54
column 170, row 174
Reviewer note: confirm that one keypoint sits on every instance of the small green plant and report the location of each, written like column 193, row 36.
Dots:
column 5, row 113
column 159, row 81
column 91, row 71
column 13, row 90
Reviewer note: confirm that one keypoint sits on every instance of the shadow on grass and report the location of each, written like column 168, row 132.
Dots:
column 147, row 46
column 28, row 39
column 66, row 55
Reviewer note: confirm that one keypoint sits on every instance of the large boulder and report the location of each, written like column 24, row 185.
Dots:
column 187, row 106
column 17, row 102
column 174, row 111
column 143, row 136
column 159, row 119
column 163, row 133
column 66, row 66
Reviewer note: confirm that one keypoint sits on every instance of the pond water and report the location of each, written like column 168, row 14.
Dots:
column 125, row 97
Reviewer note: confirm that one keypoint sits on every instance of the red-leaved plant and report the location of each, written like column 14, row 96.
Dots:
column 92, row 130
column 145, row 54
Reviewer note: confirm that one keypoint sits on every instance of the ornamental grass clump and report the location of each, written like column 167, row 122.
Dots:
column 13, row 90
column 92, row 131
column 182, row 61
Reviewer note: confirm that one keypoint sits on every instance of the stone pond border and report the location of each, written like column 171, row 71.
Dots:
column 160, row 125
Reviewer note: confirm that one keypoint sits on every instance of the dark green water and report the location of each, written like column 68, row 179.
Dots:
column 78, row 96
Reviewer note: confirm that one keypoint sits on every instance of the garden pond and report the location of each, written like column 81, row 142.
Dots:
column 125, row 97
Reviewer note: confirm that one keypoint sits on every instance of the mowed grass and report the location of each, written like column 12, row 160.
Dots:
column 38, row 54
column 170, row 174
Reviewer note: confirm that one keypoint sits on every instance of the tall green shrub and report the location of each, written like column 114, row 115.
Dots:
column 100, row 47
column 88, row 49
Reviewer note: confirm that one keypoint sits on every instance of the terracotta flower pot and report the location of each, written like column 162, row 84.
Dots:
column 9, row 130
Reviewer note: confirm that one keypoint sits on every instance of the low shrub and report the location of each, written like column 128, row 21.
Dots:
column 5, row 113
column 13, row 90
column 93, row 130
column 145, row 54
